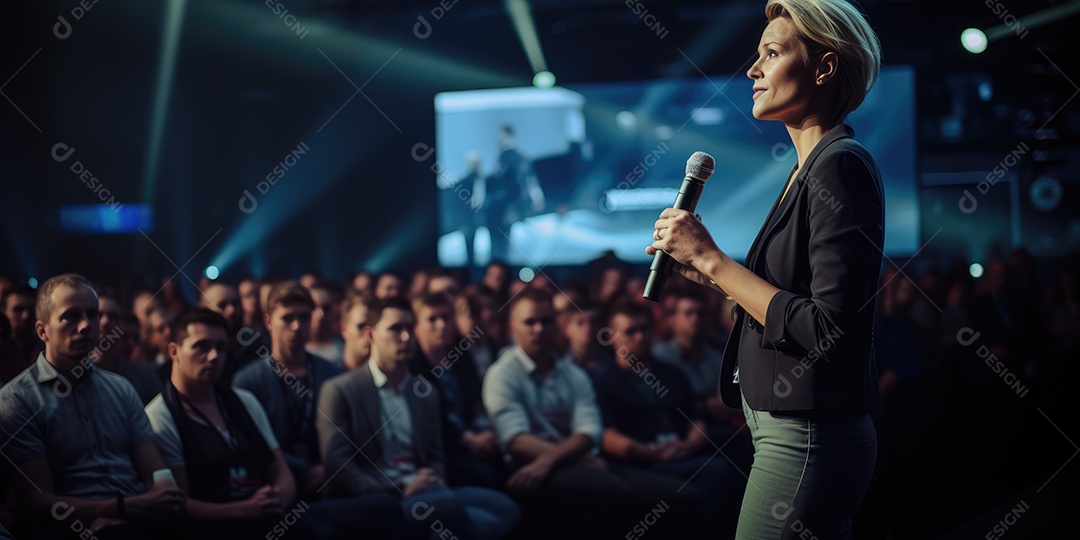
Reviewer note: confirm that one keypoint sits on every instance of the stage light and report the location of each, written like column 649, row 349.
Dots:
column 976, row 270
column 32, row 282
column 526, row 274
column 626, row 120
column 212, row 272
column 974, row 40
column 544, row 79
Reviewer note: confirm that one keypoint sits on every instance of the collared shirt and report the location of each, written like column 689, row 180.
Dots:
column 396, row 436
column 519, row 401
column 703, row 371
column 85, row 424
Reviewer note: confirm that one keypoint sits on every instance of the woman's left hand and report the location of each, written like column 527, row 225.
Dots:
column 681, row 235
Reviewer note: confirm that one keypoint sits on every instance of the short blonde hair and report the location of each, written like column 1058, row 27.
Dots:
column 836, row 26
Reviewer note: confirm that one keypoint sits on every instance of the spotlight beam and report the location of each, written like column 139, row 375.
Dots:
column 1027, row 22
column 526, row 31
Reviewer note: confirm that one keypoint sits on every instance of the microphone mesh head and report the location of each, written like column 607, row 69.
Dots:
column 700, row 166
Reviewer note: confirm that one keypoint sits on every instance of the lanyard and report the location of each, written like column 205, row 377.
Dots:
column 230, row 440
column 300, row 419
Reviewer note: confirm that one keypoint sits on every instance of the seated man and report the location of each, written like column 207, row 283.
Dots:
column 689, row 350
column 652, row 423
column 18, row 305
column 107, row 354
column 287, row 383
column 443, row 361
column 380, row 407
column 81, row 451
column 581, row 327
column 547, row 420
column 224, row 298
column 325, row 342
column 222, row 451
column 354, row 314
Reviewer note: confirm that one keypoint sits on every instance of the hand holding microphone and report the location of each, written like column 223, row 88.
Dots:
column 679, row 236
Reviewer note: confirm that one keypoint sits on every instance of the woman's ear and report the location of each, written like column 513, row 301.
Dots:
column 826, row 67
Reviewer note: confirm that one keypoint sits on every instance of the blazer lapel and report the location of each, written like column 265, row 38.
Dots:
column 784, row 207
column 369, row 397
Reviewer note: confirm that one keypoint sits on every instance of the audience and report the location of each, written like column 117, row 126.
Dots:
column 515, row 387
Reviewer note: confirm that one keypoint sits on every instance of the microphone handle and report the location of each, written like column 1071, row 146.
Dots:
column 689, row 193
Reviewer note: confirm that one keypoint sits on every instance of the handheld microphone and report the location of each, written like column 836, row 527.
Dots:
column 698, row 169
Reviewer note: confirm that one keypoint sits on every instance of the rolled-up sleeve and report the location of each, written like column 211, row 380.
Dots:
column 503, row 400
column 845, row 253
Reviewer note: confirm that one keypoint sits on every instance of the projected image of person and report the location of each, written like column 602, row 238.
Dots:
column 802, row 357
column 512, row 192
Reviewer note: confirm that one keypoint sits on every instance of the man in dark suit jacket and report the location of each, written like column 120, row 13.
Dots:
column 399, row 433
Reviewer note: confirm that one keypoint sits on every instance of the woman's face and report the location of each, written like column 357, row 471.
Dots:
column 783, row 78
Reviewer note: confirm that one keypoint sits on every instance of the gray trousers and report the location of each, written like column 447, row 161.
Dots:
column 808, row 477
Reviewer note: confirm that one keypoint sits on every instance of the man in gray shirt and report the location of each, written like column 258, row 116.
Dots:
column 547, row 420
column 78, row 449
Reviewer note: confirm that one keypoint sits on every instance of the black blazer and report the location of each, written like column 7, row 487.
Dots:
column 822, row 247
